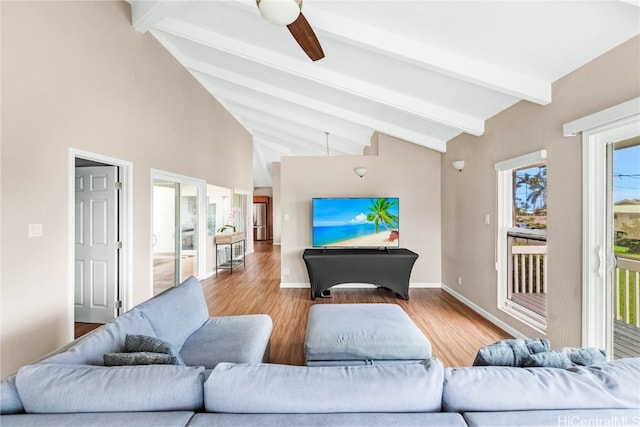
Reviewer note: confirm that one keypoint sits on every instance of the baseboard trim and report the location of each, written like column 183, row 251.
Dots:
column 482, row 312
column 206, row 276
column 425, row 285
column 294, row 285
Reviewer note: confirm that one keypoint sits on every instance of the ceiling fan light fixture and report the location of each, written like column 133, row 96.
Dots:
column 280, row 12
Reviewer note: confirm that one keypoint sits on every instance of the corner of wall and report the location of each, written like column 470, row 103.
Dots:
column 373, row 148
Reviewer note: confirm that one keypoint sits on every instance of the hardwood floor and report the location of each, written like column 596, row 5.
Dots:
column 82, row 328
column 455, row 331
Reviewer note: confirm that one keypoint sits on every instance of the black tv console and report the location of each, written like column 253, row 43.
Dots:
column 388, row 268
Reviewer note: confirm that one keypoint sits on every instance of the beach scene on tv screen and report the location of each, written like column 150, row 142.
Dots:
column 356, row 222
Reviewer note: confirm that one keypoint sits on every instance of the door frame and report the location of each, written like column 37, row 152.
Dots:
column 247, row 213
column 125, row 255
column 597, row 262
column 201, row 186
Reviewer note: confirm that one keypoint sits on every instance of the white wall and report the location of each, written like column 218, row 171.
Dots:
column 277, row 200
column 400, row 169
column 76, row 75
column 469, row 246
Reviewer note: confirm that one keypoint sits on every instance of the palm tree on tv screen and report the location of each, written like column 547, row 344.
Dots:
column 380, row 215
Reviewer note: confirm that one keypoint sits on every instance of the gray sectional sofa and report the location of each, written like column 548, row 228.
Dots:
column 225, row 382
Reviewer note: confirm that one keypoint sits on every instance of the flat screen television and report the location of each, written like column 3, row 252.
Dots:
column 356, row 222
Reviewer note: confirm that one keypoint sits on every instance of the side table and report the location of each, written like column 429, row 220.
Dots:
column 232, row 241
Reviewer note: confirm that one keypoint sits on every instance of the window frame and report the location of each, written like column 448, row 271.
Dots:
column 504, row 177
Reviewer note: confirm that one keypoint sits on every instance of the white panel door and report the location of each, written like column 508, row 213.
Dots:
column 96, row 240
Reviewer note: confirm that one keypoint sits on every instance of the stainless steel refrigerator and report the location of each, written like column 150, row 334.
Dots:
column 259, row 221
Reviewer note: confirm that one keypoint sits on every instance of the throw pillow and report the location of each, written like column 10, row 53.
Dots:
column 138, row 358
column 144, row 343
column 567, row 357
column 510, row 352
column 549, row 359
column 585, row 356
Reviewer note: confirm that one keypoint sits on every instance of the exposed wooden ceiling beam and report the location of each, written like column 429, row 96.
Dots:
column 436, row 59
column 310, row 119
column 406, row 49
column 363, row 89
column 145, row 14
column 380, row 124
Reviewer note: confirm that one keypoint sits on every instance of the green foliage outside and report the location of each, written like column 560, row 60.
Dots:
column 533, row 180
column 622, row 251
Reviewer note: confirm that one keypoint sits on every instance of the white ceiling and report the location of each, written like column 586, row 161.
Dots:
column 422, row 71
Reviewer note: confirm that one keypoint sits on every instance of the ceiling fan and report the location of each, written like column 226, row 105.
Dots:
column 288, row 12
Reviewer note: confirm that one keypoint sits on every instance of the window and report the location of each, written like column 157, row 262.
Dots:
column 522, row 238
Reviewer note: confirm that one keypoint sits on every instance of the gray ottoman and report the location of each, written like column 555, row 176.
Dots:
column 362, row 334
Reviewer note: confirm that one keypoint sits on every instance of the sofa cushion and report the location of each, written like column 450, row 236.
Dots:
column 145, row 343
column 82, row 388
column 100, row 419
column 177, row 313
column 556, row 418
column 237, row 339
column 10, row 402
column 369, row 419
column 137, row 358
column 270, row 388
column 109, row 338
column 499, row 388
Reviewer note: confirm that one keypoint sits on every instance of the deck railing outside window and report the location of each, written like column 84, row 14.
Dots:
column 529, row 266
column 627, row 291
column 626, row 306
column 527, row 291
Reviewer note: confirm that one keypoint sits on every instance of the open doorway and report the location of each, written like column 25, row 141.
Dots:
column 178, row 231
column 99, row 213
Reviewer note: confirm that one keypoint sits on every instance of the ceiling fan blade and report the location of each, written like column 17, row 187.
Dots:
column 306, row 38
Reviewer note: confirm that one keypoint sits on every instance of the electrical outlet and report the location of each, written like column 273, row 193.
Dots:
column 459, row 280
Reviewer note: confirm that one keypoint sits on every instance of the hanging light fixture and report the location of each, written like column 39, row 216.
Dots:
column 280, row 12
column 458, row 165
column 360, row 171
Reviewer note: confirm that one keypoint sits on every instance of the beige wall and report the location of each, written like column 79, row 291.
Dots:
column 469, row 246
column 76, row 75
column 400, row 169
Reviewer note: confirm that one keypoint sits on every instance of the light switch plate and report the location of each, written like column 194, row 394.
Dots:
column 35, row 230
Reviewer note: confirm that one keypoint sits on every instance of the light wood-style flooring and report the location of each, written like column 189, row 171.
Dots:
column 82, row 328
column 455, row 331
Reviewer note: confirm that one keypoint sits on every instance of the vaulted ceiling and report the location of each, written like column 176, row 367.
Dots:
column 422, row 71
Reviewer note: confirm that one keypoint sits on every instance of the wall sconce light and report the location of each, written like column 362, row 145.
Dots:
column 360, row 171
column 458, row 165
